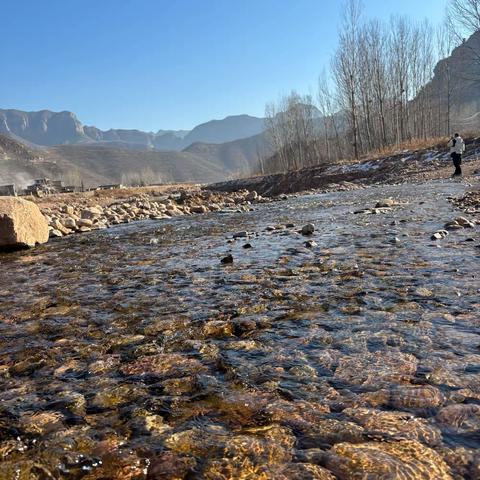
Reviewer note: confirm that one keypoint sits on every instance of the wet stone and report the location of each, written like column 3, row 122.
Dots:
column 329, row 432
column 395, row 425
column 377, row 368
column 119, row 395
column 198, row 441
column 403, row 459
column 163, row 365
column 308, row 229
column 438, row 235
column 305, row 471
column 416, row 397
column 41, row 422
column 169, row 465
column 228, row 259
column 463, row 419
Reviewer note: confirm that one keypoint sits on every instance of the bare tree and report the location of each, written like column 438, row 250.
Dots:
column 292, row 132
column 445, row 44
column 378, row 93
column 328, row 109
column 463, row 17
column 345, row 66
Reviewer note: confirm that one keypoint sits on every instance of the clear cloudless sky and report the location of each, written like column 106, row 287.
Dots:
column 170, row 64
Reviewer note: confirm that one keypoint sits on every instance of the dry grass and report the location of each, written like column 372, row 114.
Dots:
column 410, row 145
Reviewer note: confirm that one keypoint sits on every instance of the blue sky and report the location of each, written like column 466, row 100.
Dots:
column 159, row 64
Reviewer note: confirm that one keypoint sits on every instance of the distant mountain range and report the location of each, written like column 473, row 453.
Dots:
column 96, row 164
column 58, row 145
column 47, row 128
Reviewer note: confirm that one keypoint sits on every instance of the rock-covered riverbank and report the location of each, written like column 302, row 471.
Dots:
column 469, row 203
column 85, row 215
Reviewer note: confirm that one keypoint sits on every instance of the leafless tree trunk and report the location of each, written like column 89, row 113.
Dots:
column 292, row 132
column 445, row 44
column 345, row 67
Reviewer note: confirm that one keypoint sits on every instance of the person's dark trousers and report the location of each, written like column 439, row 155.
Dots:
column 457, row 162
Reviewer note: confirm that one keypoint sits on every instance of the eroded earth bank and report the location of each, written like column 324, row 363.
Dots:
column 135, row 353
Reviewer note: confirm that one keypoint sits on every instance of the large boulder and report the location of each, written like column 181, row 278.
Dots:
column 21, row 223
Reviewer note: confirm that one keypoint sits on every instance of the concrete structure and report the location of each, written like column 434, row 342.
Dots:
column 45, row 186
column 8, row 191
column 109, row 187
column 42, row 186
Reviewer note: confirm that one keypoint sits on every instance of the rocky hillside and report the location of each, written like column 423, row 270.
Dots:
column 20, row 164
column 458, row 76
column 127, row 166
column 99, row 164
column 239, row 157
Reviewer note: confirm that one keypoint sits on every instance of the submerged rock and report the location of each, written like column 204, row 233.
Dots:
column 164, row 365
column 461, row 418
column 377, row 368
column 386, row 203
column 405, row 459
column 426, row 396
column 464, row 222
column 395, row 425
column 303, row 471
column 170, row 465
column 329, row 432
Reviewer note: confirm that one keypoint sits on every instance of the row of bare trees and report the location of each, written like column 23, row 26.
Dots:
column 376, row 93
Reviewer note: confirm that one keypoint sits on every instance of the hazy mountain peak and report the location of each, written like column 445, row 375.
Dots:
column 47, row 128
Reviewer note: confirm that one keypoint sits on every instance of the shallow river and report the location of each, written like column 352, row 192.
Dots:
column 134, row 353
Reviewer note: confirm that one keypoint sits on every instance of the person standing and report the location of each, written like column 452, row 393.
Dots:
column 457, row 147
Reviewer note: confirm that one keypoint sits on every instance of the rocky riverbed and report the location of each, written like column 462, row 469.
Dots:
column 349, row 348
column 84, row 215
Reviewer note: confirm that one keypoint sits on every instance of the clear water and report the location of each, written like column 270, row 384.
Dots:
column 121, row 358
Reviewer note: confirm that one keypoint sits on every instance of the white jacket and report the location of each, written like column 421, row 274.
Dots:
column 457, row 145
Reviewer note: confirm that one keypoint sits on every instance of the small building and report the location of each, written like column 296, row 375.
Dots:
column 8, row 190
column 110, row 187
column 43, row 186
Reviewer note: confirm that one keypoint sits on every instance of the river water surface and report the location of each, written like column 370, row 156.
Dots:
column 134, row 353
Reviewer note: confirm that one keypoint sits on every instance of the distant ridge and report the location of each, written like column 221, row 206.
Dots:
column 46, row 128
column 95, row 164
